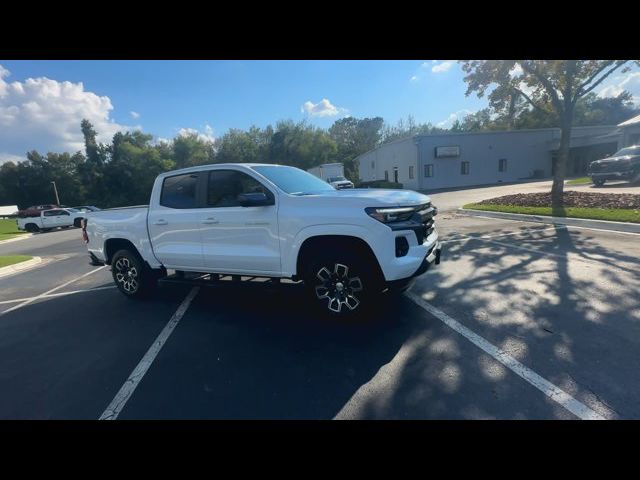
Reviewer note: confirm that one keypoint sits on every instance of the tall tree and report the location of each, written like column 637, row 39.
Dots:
column 353, row 137
column 553, row 86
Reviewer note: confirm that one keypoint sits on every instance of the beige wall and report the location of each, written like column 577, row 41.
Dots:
column 401, row 154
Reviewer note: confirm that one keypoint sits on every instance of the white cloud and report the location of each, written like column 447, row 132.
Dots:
column 206, row 135
column 324, row 108
column 44, row 114
column 629, row 81
column 441, row 67
column 450, row 120
column 414, row 78
column 134, row 114
column 7, row 157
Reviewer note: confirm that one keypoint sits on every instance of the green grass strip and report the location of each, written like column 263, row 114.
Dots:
column 5, row 261
column 611, row 214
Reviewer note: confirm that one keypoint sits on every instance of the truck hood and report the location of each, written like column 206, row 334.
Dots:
column 623, row 158
column 375, row 197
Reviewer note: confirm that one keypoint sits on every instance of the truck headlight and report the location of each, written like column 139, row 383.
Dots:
column 389, row 215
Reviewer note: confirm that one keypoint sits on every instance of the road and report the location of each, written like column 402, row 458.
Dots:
column 561, row 301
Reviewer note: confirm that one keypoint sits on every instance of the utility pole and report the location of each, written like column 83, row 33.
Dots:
column 56, row 190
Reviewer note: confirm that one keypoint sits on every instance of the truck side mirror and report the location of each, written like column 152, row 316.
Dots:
column 254, row 200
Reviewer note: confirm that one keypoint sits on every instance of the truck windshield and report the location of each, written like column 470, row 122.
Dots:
column 635, row 150
column 293, row 180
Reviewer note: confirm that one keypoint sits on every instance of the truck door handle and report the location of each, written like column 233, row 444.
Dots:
column 160, row 221
column 210, row 221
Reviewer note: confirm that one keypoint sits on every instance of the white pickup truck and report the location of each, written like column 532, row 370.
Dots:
column 273, row 221
column 50, row 219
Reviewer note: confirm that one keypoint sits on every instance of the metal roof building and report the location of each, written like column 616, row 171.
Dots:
column 428, row 162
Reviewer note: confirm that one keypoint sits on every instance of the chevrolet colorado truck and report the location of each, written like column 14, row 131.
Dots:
column 265, row 220
column 622, row 165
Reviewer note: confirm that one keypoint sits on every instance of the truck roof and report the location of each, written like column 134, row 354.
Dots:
column 200, row 167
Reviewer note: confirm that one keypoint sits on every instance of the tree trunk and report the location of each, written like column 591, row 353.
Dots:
column 557, row 190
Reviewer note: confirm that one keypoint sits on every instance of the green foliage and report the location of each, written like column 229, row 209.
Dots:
column 9, row 229
column 7, row 260
column 610, row 214
column 579, row 181
column 379, row 184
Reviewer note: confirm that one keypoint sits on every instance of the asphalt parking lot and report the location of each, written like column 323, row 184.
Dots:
column 560, row 302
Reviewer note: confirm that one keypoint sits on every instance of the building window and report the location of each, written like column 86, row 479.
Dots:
column 428, row 170
column 464, row 168
column 411, row 172
column 502, row 165
column 386, row 175
column 373, row 164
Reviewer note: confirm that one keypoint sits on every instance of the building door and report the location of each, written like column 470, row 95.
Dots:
column 395, row 174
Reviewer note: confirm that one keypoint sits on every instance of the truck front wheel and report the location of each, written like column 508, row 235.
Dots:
column 340, row 284
column 130, row 274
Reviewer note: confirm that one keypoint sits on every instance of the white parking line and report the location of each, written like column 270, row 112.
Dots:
column 125, row 392
column 556, row 394
column 42, row 295
column 61, row 294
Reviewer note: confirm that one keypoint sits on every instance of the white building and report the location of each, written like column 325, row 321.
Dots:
column 428, row 162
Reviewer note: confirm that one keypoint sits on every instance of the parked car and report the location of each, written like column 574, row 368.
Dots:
column 50, row 219
column 340, row 182
column 622, row 165
column 85, row 209
column 35, row 210
column 273, row 221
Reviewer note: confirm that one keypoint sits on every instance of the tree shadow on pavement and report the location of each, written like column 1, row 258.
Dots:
column 565, row 304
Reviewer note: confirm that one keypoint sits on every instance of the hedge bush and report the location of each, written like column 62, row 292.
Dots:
column 380, row 184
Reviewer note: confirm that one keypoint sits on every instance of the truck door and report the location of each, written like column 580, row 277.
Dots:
column 173, row 224
column 236, row 238
column 52, row 218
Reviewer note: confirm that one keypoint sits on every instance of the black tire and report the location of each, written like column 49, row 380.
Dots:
column 77, row 222
column 341, row 283
column 132, row 276
column 32, row 227
column 599, row 182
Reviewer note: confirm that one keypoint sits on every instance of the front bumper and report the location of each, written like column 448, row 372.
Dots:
column 431, row 258
column 624, row 175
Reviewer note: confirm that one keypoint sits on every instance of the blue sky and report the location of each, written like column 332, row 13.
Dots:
column 43, row 101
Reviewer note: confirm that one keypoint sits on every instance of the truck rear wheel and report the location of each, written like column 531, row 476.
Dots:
column 32, row 227
column 598, row 182
column 341, row 284
column 132, row 277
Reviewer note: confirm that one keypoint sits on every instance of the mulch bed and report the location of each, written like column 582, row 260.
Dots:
column 571, row 199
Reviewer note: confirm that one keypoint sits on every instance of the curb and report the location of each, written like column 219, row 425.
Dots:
column 624, row 227
column 19, row 267
column 15, row 239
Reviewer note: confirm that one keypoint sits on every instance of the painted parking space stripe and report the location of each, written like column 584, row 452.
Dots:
column 556, row 394
column 48, row 292
column 60, row 294
column 125, row 392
